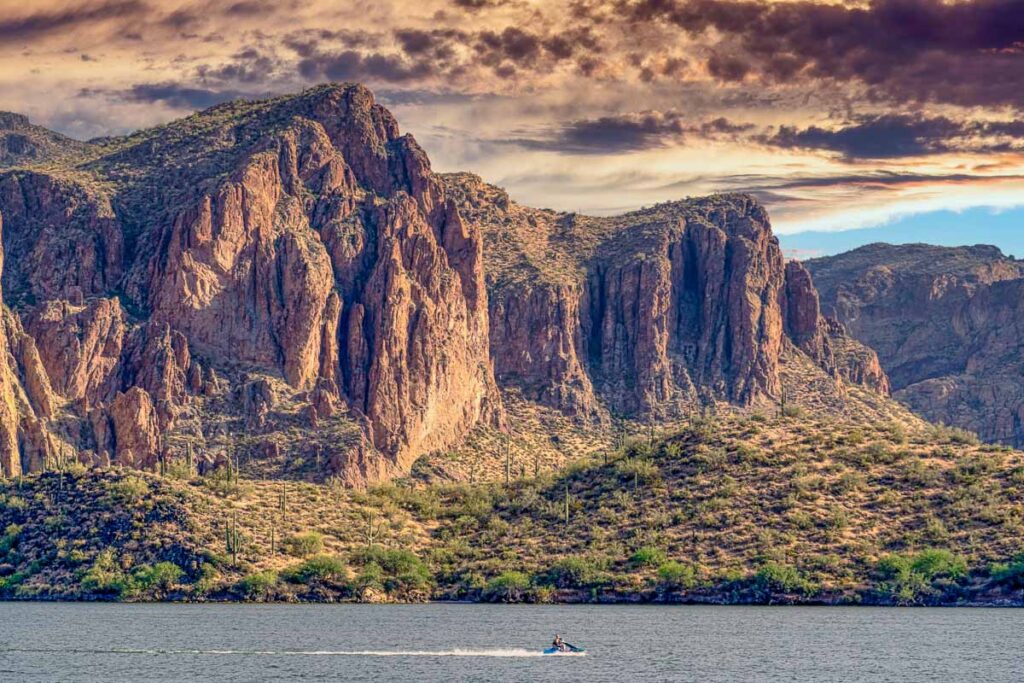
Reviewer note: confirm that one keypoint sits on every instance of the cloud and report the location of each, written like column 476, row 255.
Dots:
column 66, row 19
column 458, row 57
column 878, row 137
column 629, row 132
column 248, row 65
column 175, row 95
column 891, row 136
column 968, row 53
column 352, row 65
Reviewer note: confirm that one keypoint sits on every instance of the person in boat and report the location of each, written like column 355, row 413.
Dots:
column 558, row 643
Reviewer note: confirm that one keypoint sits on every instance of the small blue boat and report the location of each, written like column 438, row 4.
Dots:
column 568, row 650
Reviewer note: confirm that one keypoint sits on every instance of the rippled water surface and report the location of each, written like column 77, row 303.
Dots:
column 72, row 642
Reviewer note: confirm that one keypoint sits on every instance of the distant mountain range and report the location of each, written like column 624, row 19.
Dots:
column 286, row 283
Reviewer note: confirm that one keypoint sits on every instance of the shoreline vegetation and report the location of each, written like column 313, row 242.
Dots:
column 734, row 509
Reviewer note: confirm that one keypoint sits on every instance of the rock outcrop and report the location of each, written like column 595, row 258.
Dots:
column 26, row 398
column 287, row 284
column 81, row 347
column 944, row 322
column 650, row 313
column 303, row 236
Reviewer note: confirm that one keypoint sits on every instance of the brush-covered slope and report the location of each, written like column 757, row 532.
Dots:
column 22, row 142
column 945, row 324
column 731, row 508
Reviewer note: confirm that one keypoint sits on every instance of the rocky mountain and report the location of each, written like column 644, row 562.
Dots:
column 652, row 312
column 22, row 142
column 945, row 323
column 286, row 286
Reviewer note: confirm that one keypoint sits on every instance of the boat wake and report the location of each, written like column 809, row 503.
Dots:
column 457, row 652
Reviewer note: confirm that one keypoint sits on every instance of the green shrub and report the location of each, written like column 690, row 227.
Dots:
column 400, row 570
column 259, row 585
column 782, row 578
column 208, row 577
column 12, row 503
column 371, row 576
column 128, row 489
column 9, row 540
column 162, row 576
column 647, row 557
column 1010, row 575
column 908, row 578
column 939, row 564
column 319, row 568
column 641, row 471
column 304, row 545
column 105, row 576
column 674, row 574
column 571, row 572
column 954, row 435
column 510, row 586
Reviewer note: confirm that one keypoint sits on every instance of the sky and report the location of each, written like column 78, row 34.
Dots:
column 894, row 120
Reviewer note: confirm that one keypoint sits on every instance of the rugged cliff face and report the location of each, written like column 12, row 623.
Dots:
column 945, row 324
column 302, row 236
column 651, row 313
column 288, row 286
column 26, row 399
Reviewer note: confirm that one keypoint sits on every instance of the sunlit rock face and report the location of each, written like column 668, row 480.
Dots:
column 303, row 236
column 286, row 282
column 649, row 314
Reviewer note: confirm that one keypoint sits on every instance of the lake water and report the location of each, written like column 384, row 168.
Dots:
column 98, row 642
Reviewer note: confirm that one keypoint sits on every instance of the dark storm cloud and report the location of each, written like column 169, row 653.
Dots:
column 880, row 137
column 310, row 42
column 352, row 65
column 892, row 136
column 962, row 52
column 175, row 95
column 67, row 19
column 526, row 49
column 253, row 8
column 439, row 52
column 628, row 133
column 246, row 66
column 475, row 5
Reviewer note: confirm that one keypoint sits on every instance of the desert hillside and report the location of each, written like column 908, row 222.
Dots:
column 752, row 508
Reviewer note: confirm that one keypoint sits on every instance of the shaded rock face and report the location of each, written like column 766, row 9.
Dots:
column 699, row 309
column 537, row 344
column 944, row 323
column 647, row 313
column 81, row 347
column 826, row 340
column 325, row 251
column 61, row 239
column 127, row 431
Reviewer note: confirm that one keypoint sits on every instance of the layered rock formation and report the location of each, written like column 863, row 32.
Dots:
column 650, row 313
column 303, row 236
column 26, row 399
column 287, row 285
column 945, row 323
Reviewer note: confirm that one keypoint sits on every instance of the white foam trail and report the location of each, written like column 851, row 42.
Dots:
column 489, row 652
column 495, row 652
